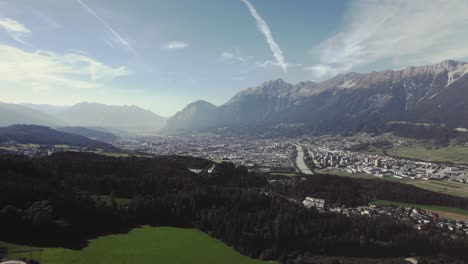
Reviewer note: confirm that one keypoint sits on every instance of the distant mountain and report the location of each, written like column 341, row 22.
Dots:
column 89, row 133
column 11, row 114
column 45, row 108
column 199, row 114
column 346, row 103
column 129, row 119
column 32, row 134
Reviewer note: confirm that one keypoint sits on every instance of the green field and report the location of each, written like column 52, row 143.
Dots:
column 457, row 154
column 446, row 187
column 108, row 200
column 29, row 255
column 146, row 245
column 426, row 207
column 288, row 174
column 114, row 154
column 451, row 188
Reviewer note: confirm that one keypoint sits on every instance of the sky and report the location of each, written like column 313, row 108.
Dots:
column 164, row 54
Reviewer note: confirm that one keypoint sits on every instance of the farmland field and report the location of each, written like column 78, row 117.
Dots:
column 446, row 211
column 456, row 154
column 446, row 187
column 288, row 174
column 145, row 245
column 451, row 188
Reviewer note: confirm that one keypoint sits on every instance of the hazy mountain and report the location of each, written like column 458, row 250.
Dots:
column 89, row 133
column 348, row 102
column 11, row 114
column 32, row 134
column 199, row 114
column 45, row 108
column 130, row 119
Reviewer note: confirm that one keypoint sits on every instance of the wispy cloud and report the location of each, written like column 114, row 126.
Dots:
column 270, row 63
column 232, row 56
column 44, row 69
column 119, row 38
column 175, row 45
column 14, row 29
column 403, row 32
column 265, row 30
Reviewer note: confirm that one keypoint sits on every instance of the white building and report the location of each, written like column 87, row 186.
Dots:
column 310, row 202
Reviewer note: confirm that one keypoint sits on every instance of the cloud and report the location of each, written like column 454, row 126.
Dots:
column 119, row 38
column 44, row 69
column 265, row 30
column 403, row 32
column 174, row 45
column 270, row 63
column 232, row 56
column 15, row 29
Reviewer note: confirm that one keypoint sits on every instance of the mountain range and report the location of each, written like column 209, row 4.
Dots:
column 116, row 119
column 129, row 119
column 430, row 95
column 433, row 94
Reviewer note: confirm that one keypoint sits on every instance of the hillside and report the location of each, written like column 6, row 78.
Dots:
column 31, row 134
column 346, row 103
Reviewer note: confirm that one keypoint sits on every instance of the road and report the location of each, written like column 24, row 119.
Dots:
column 300, row 161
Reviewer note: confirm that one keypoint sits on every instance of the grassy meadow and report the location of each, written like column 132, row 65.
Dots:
column 456, row 154
column 146, row 245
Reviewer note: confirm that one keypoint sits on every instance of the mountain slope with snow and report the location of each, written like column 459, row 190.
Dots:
column 347, row 102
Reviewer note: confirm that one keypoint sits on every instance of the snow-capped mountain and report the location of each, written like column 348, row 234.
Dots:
column 348, row 102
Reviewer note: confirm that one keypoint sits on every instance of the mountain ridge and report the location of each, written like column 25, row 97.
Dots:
column 346, row 102
column 118, row 119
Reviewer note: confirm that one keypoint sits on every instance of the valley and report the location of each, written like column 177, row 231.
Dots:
column 234, row 132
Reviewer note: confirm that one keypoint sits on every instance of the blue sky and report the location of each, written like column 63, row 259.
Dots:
column 164, row 54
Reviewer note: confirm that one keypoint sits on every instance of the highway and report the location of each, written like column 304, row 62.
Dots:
column 300, row 161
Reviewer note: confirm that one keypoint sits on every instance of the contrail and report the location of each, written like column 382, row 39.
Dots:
column 117, row 35
column 263, row 27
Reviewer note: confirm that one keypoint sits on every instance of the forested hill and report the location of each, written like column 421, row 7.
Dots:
column 32, row 134
column 53, row 201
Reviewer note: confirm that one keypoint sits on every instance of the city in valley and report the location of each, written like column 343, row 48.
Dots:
column 322, row 154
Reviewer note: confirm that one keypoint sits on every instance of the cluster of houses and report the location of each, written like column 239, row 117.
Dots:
column 333, row 153
column 420, row 219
